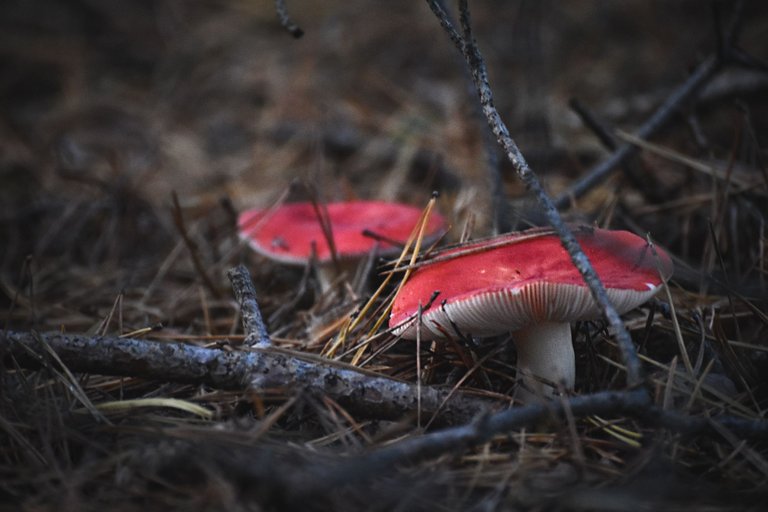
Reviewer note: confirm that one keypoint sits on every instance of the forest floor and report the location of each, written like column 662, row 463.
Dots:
column 133, row 133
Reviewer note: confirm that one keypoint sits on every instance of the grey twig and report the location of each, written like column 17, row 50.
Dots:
column 703, row 73
column 305, row 476
column 466, row 44
column 596, row 125
column 646, row 183
column 362, row 392
column 286, row 21
column 633, row 403
column 501, row 208
column 256, row 334
column 178, row 219
column 456, row 440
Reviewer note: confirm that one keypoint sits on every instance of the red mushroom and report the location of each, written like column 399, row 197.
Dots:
column 526, row 283
column 288, row 233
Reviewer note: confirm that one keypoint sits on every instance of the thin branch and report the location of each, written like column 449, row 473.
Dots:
column 286, row 21
column 456, row 440
column 646, row 183
column 631, row 403
column 304, row 476
column 733, row 27
column 596, row 125
column 256, row 335
column 476, row 64
column 178, row 220
column 501, row 209
column 703, row 73
column 361, row 392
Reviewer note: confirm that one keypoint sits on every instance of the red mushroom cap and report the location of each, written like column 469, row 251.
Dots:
column 287, row 233
column 526, row 278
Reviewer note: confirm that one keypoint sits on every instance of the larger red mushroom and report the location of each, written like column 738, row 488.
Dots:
column 526, row 283
column 289, row 233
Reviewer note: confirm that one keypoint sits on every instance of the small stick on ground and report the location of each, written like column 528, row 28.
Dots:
column 466, row 44
column 178, row 219
column 595, row 125
column 502, row 217
column 286, row 21
column 646, row 183
column 457, row 440
column 256, row 335
column 262, row 370
column 703, row 74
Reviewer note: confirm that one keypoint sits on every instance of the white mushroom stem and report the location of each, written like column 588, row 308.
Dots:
column 544, row 353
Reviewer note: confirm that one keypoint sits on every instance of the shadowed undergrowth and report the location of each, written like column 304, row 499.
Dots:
column 111, row 108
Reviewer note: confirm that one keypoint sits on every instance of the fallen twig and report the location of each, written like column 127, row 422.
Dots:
column 644, row 182
column 633, row 403
column 457, row 440
column 178, row 219
column 502, row 218
column 595, row 125
column 286, row 21
column 703, row 73
column 256, row 335
column 466, row 44
column 362, row 392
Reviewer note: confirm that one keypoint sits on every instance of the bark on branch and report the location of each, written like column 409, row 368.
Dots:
column 362, row 392
column 466, row 44
column 632, row 403
column 384, row 461
column 256, row 335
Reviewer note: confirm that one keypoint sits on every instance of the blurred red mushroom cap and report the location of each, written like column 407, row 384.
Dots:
column 288, row 232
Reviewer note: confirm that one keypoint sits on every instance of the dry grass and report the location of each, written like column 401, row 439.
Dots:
column 112, row 107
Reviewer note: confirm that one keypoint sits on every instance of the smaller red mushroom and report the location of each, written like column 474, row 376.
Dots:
column 287, row 234
column 526, row 283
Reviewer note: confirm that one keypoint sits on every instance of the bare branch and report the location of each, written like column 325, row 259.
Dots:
column 286, row 21
column 362, row 392
column 477, row 67
column 645, row 183
column 501, row 209
column 256, row 335
column 703, row 73
column 178, row 219
column 456, row 440
column 596, row 125
column 634, row 403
